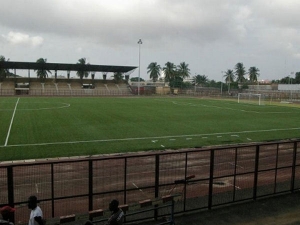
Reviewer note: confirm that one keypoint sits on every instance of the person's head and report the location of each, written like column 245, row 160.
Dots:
column 32, row 202
column 7, row 213
column 114, row 205
column 88, row 222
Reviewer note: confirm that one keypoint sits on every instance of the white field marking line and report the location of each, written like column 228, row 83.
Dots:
column 237, row 187
column 220, row 107
column 236, row 165
column 243, row 110
column 272, row 106
column 65, row 105
column 36, row 188
column 137, row 187
column 11, row 122
column 147, row 138
column 234, row 135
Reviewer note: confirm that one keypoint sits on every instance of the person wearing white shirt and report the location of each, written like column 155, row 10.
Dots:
column 36, row 215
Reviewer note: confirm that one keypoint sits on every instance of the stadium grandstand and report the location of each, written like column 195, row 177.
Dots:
column 58, row 85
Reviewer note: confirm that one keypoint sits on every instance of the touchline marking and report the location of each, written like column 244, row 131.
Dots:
column 11, row 122
column 146, row 138
column 220, row 107
column 64, row 105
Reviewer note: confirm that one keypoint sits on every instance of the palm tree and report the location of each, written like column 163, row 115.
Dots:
column 3, row 72
column 169, row 71
column 183, row 70
column 199, row 80
column 68, row 74
column 154, row 70
column 118, row 76
column 82, row 72
column 42, row 73
column 253, row 74
column 297, row 78
column 240, row 72
column 229, row 78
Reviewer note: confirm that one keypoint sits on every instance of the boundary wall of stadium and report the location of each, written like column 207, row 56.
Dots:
column 204, row 177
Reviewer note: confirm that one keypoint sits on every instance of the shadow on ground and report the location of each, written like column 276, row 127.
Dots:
column 279, row 210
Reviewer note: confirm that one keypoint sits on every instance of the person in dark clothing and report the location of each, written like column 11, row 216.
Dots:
column 117, row 215
column 7, row 214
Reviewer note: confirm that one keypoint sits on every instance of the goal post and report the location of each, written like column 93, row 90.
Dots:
column 250, row 98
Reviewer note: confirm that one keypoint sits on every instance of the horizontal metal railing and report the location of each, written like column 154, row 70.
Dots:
column 206, row 178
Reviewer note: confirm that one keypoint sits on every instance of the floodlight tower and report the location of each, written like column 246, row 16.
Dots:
column 222, row 83
column 290, row 85
column 139, row 42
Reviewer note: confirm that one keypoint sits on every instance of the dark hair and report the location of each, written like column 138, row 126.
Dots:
column 113, row 205
column 33, row 198
column 88, row 222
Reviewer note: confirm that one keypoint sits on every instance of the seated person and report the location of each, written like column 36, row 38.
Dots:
column 7, row 214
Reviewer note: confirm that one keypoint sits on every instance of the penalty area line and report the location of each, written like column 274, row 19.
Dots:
column 147, row 138
column 11, row 122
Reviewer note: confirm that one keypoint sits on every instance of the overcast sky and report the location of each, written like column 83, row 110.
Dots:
column 209, row 35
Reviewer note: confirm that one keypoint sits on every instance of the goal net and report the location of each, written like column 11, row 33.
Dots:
column 250, row 98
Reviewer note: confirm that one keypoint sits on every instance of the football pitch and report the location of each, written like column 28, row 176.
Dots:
column 40, row 127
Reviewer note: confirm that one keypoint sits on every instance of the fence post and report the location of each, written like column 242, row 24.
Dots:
column 276, row 169
column 211, row 178
column 10, row 186
column 235, row 171
column 185, row 183
column 90, row 185
column 172, row 212
column 125, row 181
column 52, row 190
column 256, row 172
column 156, row 183
column 294, row 167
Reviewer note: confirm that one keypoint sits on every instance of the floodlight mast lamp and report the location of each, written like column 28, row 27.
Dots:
column 139, row 42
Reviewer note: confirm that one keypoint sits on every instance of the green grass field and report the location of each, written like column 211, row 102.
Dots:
column 57, row 127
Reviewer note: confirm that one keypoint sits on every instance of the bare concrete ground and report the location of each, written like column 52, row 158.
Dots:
column 279, row 210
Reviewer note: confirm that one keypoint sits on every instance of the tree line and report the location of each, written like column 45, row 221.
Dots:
column 238, row 76
column 176, row 75
column 43, row 73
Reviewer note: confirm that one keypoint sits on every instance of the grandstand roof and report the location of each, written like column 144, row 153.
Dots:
column 65, row 66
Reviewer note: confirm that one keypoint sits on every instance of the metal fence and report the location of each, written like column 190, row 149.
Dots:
column 205, row 177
